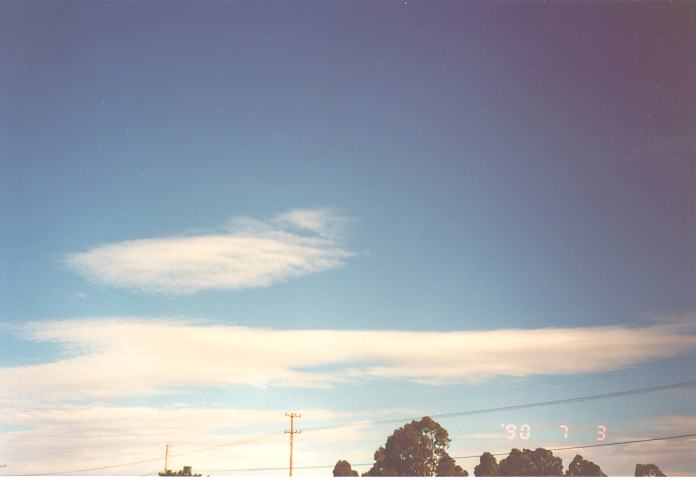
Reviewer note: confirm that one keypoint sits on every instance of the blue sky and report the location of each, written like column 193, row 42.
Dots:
column 379, row 168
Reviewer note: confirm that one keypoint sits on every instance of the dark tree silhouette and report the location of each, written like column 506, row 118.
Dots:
column 487, row 467
column 649, row 470
column 528, row 463
column 546, row 464
column 580, row 467
column 447, row 467
column 517, row 464
column 343, row 469
column 184, row 472
column 415, row 450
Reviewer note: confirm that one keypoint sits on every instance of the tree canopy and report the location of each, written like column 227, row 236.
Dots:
column 184, row 472
column 528, row 463
column 447, row 467
column 580, row 467
column 343, row 469
column 648, row 470
column 417, row 450
column 487, row 467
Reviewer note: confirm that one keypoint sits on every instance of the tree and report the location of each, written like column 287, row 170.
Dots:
column 487, row 467
column 545, row 464
column 516, row 464
column 447, row 467
column 528, row 463
column 416, row 450
column 580, row 467
column 378, row 469
column 184, row 472
column 343, row 469
column 649, row 470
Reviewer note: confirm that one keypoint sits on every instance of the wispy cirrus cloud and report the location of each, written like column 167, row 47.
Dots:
column 55, row 416
column 73, row 437
column 250, row 253
column 323, row 222
column 116, row 357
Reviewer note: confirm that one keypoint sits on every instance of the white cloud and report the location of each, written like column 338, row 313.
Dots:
column 324, row 222
column 74, row 437
column 251, row 253
column 114, row 357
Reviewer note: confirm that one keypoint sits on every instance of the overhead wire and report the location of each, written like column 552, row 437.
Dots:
column 399, row 420
column 228, row 444
column 139, row 462
column 585, row 398
column 94, row 469
column 552, row 425
column 512, row 383
column 594, row 445
column 575, row 447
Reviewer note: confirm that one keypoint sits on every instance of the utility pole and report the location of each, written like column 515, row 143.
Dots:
column 292, row 432
column 166, row 457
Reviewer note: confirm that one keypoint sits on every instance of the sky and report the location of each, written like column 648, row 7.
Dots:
column 214, row 213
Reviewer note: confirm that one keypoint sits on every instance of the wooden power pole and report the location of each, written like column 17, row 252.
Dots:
column 166, row 457
column 292, row 432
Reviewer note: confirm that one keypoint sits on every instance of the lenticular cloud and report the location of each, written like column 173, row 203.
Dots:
column 117, row 357
column 250, row 254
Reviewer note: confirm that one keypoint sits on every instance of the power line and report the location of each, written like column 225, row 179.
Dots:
column 601, row 396
column 139, row 462
column 555, row 425
column 586, row 398
column 243, row 441
column 576, row 447
column 594, row 445
column 578, row 378
column 96, row 468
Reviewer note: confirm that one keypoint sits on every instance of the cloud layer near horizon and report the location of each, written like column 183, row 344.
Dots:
column 250, row 253
column 116, row 357
column 72, row 437
column 66, row 438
